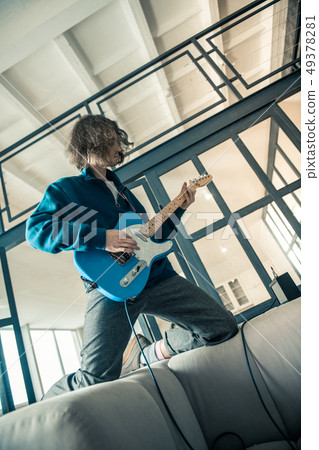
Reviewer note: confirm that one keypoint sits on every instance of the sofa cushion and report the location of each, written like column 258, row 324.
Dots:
column 221, row 391
column 275, row 341
column 122, row 414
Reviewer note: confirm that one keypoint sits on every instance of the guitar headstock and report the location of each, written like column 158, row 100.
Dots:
column 200, row 181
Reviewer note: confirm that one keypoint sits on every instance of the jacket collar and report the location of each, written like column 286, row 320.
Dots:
column 88, row 175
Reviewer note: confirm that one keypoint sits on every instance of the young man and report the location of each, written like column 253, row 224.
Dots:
column 96, row 145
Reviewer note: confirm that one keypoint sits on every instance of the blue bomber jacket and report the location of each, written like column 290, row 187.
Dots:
column 75, row 213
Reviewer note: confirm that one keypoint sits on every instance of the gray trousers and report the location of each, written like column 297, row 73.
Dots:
column 200, row 318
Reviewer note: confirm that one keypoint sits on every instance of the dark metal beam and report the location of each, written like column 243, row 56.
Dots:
column 257, row 103
column 6, row 322
column 5, row 388
column 272, row 146
column 17, row 328
column 13, row 237
column 287, row 126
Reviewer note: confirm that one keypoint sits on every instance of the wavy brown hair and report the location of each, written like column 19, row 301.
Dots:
column 92, row 135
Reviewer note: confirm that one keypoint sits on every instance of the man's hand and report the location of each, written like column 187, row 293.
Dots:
column 119, row 241
column 189, row 195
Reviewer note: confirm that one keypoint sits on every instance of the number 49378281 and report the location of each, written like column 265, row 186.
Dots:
column 310, row 45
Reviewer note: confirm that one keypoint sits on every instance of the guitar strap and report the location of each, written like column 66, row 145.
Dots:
column 127, row 200
column 91, row 284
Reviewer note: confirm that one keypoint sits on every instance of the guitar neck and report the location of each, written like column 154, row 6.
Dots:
column 157, row 221
column 154, row 224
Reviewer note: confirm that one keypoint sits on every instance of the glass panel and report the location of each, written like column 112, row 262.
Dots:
column 69, row 355
column 292, row 202
column 295, row 261
column 13, row 366
column 238, row 292
column 202, row 212
column 284, row 169
column 290, row 149
column 232, row 175
column 47, row 357
column 280, row 221
column 256, row 139
column 297, row 251
column 176, row 266
column 292, row 107
column 272, row 225
column 141, row 195
column 270, row 246
column 45, row 288
column 225, row 260
column 225, row 298
column 277, row 181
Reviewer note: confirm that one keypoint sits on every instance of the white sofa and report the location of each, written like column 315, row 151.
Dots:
column 209, row 391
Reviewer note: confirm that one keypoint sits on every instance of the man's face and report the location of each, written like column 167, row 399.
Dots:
column 112, row 152
column 111, row 155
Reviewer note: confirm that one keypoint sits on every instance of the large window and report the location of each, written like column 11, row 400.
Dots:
column 13, row 367
column 56, row 354
column 284, row 234
column 233, row 296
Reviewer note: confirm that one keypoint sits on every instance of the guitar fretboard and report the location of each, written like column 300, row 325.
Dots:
column 154, row 224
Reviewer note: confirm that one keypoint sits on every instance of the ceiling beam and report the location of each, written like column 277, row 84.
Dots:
column 25, row 107
column 20, row 176
column 112, row 59
column 20, row 102
column 136, row 17
column 175, row 21
column 77, row 59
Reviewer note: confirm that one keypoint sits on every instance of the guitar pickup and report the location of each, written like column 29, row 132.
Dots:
column 127, row 280
column 140, row 236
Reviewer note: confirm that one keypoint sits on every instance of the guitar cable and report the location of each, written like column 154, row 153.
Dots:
column 155, row 381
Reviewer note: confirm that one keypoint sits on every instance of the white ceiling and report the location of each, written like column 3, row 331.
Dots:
column 54, row 55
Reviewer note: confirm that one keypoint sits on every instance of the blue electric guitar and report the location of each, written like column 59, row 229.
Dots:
column 120, row 276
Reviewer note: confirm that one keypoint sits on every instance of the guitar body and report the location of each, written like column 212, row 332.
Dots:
column 116, row 281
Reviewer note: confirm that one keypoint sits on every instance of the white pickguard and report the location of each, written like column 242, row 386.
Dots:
column 148, row 248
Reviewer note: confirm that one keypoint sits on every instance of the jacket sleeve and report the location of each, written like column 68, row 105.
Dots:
column 55, row 225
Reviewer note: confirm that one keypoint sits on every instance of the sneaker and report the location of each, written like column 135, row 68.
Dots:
column 131, row 357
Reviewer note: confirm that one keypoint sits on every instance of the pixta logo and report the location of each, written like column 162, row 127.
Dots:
column 73, row 227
